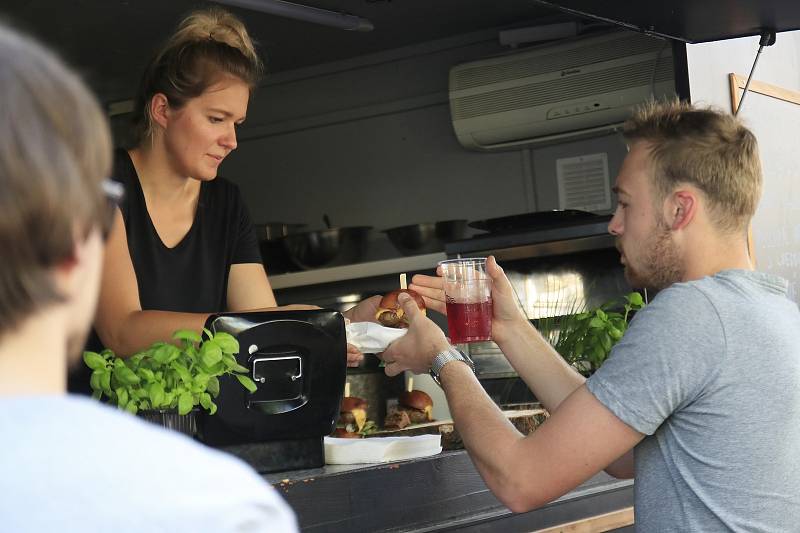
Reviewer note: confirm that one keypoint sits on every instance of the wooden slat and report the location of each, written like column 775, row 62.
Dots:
column 767, row 89
column 595, row 524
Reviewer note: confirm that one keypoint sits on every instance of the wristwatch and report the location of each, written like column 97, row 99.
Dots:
column 442, row 358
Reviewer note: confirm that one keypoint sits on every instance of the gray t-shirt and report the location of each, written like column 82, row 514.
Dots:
column 71, row 464
column 710, row 372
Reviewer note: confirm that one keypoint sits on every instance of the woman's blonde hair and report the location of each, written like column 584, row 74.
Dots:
column 704, row 147
column 207, row 46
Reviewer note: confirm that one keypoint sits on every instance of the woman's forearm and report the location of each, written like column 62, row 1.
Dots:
column 140, row 329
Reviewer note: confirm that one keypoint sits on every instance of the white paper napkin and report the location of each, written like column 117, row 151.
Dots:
column 380, row 449
column 370, row 337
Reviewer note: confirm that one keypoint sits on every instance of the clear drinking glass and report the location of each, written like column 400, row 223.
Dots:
column 468, row 296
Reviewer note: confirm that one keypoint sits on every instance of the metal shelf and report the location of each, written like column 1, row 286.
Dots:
column 357, row 271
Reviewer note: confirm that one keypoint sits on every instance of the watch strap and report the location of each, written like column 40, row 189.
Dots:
column 448, row 356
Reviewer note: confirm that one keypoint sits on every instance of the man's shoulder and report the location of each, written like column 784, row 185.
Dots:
column 678, row 302
column 85, row 452
column 85, row 426
column 727, row 289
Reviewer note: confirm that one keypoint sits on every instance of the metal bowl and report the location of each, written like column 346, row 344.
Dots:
column 273, row 254
column 327, row 247
column 272, row 231
column 427, row 237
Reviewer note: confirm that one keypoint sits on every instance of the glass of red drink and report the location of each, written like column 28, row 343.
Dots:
column 468, row 296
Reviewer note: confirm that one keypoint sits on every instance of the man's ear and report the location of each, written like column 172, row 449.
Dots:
column 681, row 207
column 159, row 109
column 66, row 271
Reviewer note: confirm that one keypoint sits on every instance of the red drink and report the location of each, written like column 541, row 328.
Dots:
column 469, row 322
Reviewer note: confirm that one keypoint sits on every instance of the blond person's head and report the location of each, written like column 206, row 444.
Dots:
column 208, row 46
column 55, row 150
column 706, row 148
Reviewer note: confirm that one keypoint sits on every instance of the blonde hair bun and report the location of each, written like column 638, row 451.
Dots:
column 218, row 25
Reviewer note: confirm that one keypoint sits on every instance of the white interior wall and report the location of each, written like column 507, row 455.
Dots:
column 776, row 225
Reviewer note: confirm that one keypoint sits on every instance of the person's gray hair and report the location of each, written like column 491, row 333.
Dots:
column 55, row 149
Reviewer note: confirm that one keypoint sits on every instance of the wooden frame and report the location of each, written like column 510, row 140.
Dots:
column 738, row 82
column 787, row 95
column 595, row 524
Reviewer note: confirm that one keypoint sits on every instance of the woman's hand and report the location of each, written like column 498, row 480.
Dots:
column 354, row 357
column 364, row 311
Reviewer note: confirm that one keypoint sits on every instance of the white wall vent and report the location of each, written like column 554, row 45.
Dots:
column 583, row 183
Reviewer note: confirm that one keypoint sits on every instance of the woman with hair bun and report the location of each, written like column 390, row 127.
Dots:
column 184, row 246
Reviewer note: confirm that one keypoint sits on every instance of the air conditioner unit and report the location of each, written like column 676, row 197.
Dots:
column 556, row 91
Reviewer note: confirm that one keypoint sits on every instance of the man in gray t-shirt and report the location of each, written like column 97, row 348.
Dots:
column 709, row 371
column 700, row 400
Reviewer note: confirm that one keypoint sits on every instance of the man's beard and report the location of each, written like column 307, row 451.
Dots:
column 660, row 264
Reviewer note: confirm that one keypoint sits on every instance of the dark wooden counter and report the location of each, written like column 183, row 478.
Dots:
column 440, row 493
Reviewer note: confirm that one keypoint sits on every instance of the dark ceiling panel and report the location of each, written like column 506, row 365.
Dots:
column 692, row 21
column 112, row 40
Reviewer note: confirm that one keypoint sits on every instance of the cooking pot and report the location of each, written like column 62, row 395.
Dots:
column 273, row 254
column 327, row 247
column 427, row 237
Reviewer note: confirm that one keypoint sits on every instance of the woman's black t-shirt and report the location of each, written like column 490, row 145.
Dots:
column 192, row 276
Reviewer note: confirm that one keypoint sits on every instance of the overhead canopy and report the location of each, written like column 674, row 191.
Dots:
column 691, row 21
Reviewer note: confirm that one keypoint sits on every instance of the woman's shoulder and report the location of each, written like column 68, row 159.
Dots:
column 224, row 184
column 123, row 171
column 223, row 191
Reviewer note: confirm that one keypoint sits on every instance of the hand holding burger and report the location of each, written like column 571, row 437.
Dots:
column 415, row 350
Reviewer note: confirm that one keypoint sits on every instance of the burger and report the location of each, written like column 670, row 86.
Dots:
column 396, row 420
column 391, row 314
column 352, row 417
column 417, row 405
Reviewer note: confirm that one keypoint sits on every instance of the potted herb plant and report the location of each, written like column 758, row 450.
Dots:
column 584, row 338
column 168, row 383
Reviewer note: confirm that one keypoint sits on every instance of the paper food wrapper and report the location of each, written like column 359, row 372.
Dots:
column 370, row 337
column 380, row 449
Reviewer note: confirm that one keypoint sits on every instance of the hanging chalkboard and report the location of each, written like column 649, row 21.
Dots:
column 773, row 114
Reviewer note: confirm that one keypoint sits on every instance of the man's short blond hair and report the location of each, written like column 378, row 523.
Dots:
column 706, row 148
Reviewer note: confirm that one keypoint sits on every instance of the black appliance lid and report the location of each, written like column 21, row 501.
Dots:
column 571, row 235
column 689, row 20
column 535, row 220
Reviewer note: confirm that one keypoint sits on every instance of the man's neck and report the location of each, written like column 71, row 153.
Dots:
column 716, row 256
column 33, row 357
